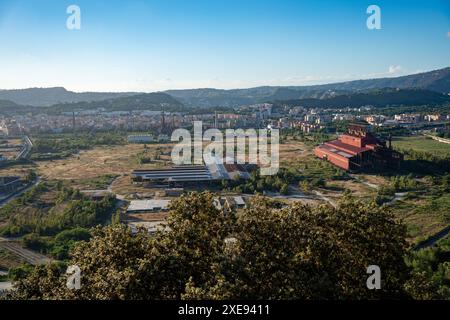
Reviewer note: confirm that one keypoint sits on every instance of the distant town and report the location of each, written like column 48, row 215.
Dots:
column 251, row 116
column 65, row 172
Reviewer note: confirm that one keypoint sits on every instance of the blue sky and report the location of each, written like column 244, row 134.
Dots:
column 161, row 44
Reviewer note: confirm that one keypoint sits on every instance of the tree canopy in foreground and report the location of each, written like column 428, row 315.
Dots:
column 264, row 252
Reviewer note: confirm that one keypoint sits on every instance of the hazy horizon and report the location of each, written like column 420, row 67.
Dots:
column 149, row 46
column 217, row 88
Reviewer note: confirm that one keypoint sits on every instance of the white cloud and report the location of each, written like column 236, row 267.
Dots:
column 448, row 34
column 395, row 69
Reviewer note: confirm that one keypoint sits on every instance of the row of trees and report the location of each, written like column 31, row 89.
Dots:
column 265, row 252
column 398, row 184
column 445, row 135
column 258, row 183
column 306, row 175
column 425, row 163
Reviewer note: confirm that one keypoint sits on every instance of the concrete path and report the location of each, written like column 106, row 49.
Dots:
column 359, row 179
column 325, row 198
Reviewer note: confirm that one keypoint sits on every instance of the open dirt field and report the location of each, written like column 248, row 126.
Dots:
column 119, row 160
column 292, row 151
column 124, row 185
column 17, row 170
column 373, row 179
column 356, row 188
column 104, row 160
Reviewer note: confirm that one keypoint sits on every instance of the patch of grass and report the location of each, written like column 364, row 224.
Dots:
column 96, row 183
column 424, row 215
column 413, row 230
column 315, row 169
column 421, row 143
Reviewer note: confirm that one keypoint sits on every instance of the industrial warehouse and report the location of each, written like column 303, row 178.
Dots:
column 358, row 149
column 191, row 174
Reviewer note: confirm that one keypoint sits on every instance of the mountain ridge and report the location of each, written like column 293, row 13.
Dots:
column 376, row 98
column 147, row 101
column 44, row 97
column 435, row 80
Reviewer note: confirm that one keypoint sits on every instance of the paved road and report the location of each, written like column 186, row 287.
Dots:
column 433, row 239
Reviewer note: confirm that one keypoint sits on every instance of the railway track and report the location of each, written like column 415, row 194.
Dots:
column 29, row 256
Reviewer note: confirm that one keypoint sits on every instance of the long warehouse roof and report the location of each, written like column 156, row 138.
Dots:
column 179, row 173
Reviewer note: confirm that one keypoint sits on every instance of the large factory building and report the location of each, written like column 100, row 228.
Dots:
column 358, row 149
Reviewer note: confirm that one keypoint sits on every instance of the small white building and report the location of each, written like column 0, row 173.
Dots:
column 239, row 202
column 153, row 205
column 229, row 203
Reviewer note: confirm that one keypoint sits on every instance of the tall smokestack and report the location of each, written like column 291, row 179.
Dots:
column 163, row 123
column 215, row 119
column 73, row 121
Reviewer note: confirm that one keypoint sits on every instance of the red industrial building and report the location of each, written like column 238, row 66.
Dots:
column 358, row 149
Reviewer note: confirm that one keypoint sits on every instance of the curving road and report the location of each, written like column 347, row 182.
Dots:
column 433, row 239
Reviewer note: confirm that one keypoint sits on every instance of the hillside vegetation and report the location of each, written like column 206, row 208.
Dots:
column 297, row 252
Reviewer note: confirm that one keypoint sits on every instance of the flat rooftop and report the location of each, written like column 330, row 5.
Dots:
column 192, row 173
column 178, row 173
column 347, row 148
column 148, row 205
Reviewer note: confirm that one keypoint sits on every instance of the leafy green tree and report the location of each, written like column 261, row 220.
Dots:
column 265, row 252
column 300, row 252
